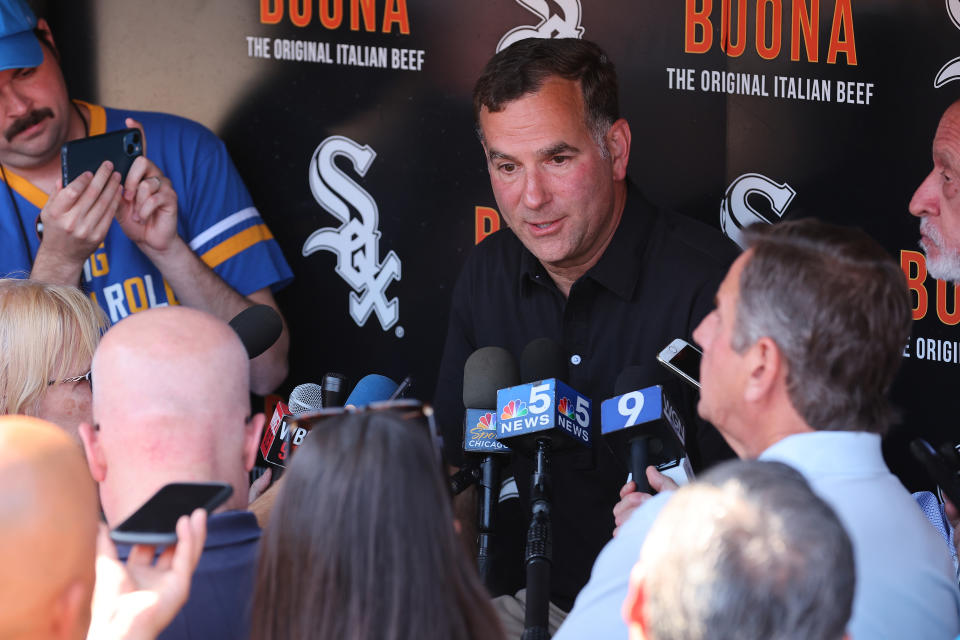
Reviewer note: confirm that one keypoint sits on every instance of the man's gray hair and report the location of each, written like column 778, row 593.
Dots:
column 747, row 552
column 837, row 306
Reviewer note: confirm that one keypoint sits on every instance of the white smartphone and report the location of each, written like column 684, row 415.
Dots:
column 683, row 359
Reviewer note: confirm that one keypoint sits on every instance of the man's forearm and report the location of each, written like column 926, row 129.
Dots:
column 196, row 285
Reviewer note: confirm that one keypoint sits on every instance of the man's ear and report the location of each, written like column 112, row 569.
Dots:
column 765, row 367
column 618, row 146
column 253, row 431
column 96, row 461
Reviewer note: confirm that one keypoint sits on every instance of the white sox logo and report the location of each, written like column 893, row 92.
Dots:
column 736, row 212
column 558, row 19
column 951, row 70
column 357, row 240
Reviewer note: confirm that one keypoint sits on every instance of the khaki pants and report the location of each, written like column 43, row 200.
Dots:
column 511, row 612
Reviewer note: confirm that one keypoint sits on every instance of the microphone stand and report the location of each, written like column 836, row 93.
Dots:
column 539, row 549
column 489, row 495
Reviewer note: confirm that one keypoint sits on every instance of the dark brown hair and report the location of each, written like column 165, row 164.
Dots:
column 361, row 544
column 522, row 68
column 837, row 306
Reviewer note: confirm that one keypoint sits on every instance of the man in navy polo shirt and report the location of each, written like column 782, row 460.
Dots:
column 170, row 404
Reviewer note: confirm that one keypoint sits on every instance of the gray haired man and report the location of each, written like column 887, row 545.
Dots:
column 798, row 357
column 748, row 551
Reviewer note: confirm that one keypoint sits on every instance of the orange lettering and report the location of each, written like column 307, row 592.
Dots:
column 396, row 13
column 911, row 261
column 842, row 17
column 331, row 19
column 948, row 318
column 805, row 24
column 769, row 52
column 726, row 29
column 268, row 15
column 369, row 14
column 701, row 19
column 487, row 222
column 301, row 11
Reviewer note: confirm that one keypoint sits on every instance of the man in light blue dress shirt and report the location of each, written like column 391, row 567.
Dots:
column 798, row 357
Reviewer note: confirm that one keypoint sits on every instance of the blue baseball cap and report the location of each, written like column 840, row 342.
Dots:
column 19, row 47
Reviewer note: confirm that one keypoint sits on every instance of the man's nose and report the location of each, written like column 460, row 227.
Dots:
column 926, row 199
column 535, row 194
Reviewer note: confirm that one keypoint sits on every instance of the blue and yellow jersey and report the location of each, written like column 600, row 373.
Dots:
column 216, row 217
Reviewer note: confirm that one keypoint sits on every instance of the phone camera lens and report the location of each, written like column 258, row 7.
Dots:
column 136, row 138
column 130, row 149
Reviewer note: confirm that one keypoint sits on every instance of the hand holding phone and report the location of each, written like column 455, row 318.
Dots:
column 155, row 523
column 121, row 148
column 139, row 598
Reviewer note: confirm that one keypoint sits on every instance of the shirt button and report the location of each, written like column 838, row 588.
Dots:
column 575, row 359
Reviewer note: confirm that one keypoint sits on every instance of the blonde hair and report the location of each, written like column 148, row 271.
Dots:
column 45, row 329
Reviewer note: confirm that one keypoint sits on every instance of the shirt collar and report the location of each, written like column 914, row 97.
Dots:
column 223, row 530
column 822, row 453
column 620, row 266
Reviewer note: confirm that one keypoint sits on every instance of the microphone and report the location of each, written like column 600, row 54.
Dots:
column 544, row 407
column 334, row 388
column 306, row 397
column 259, row 327
column 278, row 443
column 371, row 388
column 645, row 423
column 540, row 416
column 487, row 370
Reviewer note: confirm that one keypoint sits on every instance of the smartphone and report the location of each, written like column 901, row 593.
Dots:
column 683, row 359
column 937, row 468
column 156, row 521
column 87, row 154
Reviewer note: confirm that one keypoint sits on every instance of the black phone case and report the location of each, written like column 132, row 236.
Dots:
column 127, row 533
column 87, row 154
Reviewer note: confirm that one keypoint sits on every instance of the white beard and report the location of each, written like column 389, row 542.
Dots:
column 946, row 264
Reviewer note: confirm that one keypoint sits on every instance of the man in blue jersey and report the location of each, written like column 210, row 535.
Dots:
column 180, row 229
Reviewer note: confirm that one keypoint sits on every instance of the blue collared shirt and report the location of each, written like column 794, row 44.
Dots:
column 905, row 584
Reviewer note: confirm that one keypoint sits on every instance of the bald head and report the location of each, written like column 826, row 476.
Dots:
column 170, row 361
column 48, row 507
column 170, row 404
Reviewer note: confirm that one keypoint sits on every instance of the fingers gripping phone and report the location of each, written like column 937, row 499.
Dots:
column 87, row 154
column 156, row 521
column 683, row 359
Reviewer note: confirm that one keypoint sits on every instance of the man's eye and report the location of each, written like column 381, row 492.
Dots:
column 25, row 72
column 507, row 167
column 559, row 159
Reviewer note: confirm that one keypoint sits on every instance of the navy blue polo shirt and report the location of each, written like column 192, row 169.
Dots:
column 222, row 587
column 656, row 280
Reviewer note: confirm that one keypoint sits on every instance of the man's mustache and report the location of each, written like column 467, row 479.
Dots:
column 27, row 121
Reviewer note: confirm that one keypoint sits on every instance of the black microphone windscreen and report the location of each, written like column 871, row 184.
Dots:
column 631, row 379
column 334, row 389
column 541, row 359
column 485, row 371
column 259, row 327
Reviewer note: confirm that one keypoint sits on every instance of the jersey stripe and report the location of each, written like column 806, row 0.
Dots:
column 27, row 189
column 235, row 244
column 230, row 221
